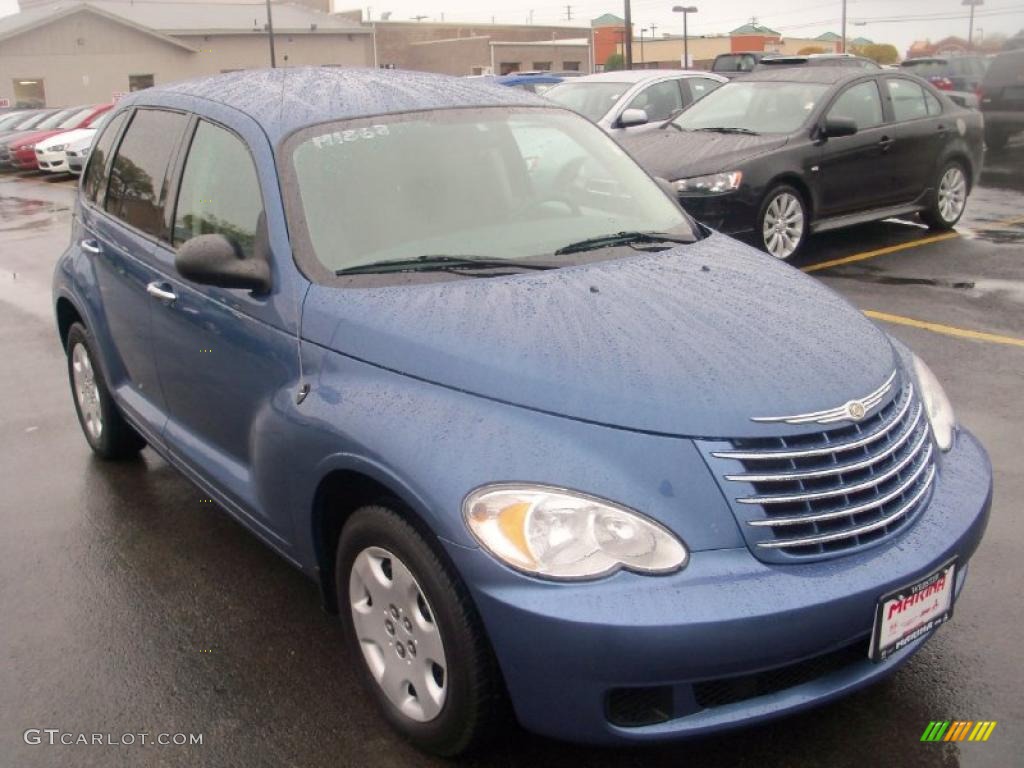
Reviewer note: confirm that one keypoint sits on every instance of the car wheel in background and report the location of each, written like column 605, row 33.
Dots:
column 105, row 429
column 782, row 225
column 948, row 197
column 415, row 635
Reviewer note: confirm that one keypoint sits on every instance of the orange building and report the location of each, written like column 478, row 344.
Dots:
column 609, row 35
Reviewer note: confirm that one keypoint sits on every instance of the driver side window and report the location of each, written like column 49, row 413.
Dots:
column 659, row 101
column 220, row 193
column 860, row 103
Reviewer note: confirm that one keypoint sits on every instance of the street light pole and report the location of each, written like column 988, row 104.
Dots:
column 686, row 10
column 270, row 36
column 628, row 23
column 970, row 29
column 643, row 59
column 844, row 27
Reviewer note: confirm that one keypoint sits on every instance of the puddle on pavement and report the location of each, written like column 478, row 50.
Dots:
column 18, row 213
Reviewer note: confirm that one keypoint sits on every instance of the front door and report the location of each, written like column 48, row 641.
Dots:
column 853, row 172
column 226, row 358
column 919, row 134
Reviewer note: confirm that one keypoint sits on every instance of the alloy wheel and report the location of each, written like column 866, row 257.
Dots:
column 783, row 226
column 952, row 193
column 87, row 393
column 398, row 634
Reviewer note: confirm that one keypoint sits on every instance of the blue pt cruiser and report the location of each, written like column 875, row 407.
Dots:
column 540, row 438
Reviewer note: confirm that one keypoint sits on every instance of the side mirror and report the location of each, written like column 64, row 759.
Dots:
column 631, row 117
column 834, row 127
column 215, row 260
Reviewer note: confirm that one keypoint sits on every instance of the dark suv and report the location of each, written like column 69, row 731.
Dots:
column 959, row 76
column 1002, row 98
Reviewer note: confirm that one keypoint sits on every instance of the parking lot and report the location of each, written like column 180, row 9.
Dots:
column 131, row 604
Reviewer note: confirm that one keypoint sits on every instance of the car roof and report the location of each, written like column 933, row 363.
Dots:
column 824, row 75
column 640, row 75
column 287, row 99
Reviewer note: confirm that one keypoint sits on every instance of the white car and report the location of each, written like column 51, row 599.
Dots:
column 78, row 152
column 618, row 101
column 52, row 153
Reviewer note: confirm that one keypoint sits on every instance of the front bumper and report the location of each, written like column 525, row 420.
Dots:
column 24, row 159
column 730, row 213
column 54, row 162
column 565, row 649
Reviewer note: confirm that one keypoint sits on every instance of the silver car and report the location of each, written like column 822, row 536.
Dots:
column 618, row 101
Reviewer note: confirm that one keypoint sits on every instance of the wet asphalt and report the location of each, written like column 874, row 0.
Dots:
column 130, row 605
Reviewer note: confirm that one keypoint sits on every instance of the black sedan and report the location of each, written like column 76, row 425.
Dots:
column 785, row 153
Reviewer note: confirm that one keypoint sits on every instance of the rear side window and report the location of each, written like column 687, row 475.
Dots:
column 220, row 193
column 861, row 103
column 907, row 100
column 96, row 173
column 136, row 191
column 933, row 105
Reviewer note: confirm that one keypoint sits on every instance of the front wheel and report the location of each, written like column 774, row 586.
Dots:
column 948, row 199
column 415, row 634
column 782, row 222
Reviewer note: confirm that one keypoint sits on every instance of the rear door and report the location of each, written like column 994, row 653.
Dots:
column 120, row 223
column 854, row 170
column 228, row 359
column 919, row 129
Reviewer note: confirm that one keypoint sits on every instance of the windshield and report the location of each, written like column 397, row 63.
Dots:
column 55, row 120
column 592, row 100
column 73, row 119
column 926, row 68
column 32, row 121
column 482, row 184
column 755, row 107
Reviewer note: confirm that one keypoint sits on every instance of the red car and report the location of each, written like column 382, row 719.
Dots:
column 23, row 151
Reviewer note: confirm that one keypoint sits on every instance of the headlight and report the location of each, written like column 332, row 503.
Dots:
column 936, row 405
column 710, row 185
column 560, row 534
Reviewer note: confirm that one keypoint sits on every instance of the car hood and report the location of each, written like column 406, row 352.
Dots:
column 15, row 137
column 673, row 154
column 692, row 342
column 67, row 137
column 32, row 137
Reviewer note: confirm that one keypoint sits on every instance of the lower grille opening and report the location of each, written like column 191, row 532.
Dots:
column 635, row 707
column 717, row 693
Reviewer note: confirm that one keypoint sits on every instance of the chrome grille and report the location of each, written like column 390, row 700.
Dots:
column 827, row 492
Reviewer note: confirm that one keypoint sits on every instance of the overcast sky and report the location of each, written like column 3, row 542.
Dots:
column 896, row 21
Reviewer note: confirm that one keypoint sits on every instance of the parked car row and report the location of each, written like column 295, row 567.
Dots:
column 52, row 140
column 790, row 146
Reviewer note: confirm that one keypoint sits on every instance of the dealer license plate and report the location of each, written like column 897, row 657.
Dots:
column 913, row 611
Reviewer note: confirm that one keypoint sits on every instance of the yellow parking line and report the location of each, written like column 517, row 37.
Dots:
column 949, row 330
column 881, row 251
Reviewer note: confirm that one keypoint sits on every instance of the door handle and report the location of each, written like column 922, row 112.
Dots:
column 91, row 246
column 885, row 142
column 157, row 291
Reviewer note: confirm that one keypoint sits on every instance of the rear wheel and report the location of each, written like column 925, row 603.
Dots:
column 948, row 198
column 782, row 224
column 105, row 429
column 415, row 634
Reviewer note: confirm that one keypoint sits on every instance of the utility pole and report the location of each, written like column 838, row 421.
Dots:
column 970, row 30
column 654, row 28
column 843, row 44
column 568, row 13
column 270, row 36
column 628, row 36
column 686, row 10
column 643, row 59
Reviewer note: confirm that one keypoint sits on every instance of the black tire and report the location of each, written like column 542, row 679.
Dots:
column 783, row 193
column 475, row 702
column 936, row 215
column 116, row 438
column 996, row 140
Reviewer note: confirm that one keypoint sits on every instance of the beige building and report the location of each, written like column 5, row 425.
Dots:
column 63, row 53
column 667, row 52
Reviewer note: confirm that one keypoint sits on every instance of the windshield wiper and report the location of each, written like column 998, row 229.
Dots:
column 620, row 238
column 727, row 129
column 439, row 263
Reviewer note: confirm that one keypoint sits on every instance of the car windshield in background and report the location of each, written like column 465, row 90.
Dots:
column 482, row 184
column 753, row 107
column 55, row 121
column 592, row 100
column 740, row 62
column 75, row 118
